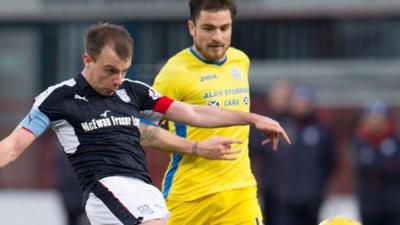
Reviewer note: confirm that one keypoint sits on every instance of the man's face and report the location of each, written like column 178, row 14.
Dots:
column 280, row 96
column 212, row 33
column 107, row 72
column 301, row 107
column 375, row 123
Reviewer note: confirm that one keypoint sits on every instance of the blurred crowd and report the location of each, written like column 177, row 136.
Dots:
column 295, row 180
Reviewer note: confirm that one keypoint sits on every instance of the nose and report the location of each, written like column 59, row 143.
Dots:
column 119, row 79
column 217, row 35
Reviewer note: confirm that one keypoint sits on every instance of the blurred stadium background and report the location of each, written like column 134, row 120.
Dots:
column 346, row 50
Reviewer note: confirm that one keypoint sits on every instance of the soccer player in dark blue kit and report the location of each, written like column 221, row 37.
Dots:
column 96, row 118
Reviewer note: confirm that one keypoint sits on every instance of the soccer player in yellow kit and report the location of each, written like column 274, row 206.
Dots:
column 201, row 191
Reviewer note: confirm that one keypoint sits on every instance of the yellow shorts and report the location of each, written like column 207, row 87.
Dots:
column 234, row 207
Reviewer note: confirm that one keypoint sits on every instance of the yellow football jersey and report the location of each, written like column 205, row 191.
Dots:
column 188, row 78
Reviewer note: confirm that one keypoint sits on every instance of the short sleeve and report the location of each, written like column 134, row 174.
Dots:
column 153, row 105
column 45, row 109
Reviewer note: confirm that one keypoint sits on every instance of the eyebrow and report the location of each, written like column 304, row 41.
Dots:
column 212, row 25
column 114, row 67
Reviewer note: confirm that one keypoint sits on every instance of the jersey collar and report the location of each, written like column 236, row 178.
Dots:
column 199, row 57
column 83, row 85
column 81, row 81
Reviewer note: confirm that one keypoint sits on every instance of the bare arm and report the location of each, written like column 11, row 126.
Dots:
column 206, row 116
column 213, row 148
column 14, row 145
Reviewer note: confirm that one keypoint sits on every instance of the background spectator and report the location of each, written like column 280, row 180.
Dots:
column 376, row 151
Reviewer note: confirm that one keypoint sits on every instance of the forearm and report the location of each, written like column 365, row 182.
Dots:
column 160, row 139
column 216, row 117
column 9, row 151
column 14, row 145
column 209, row 117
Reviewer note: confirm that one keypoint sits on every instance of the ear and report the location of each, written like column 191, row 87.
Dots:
column 191, row 27
column 87, row 59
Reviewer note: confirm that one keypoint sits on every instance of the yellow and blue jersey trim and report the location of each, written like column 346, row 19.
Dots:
column 181, row 130
column 217, row 63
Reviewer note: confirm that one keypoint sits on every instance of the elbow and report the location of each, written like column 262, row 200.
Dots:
column 7, row 159
column 196, row 122
column 146, row 144
column 193, row 117
column 9, row 151
column 196, row 118
column 3, row 163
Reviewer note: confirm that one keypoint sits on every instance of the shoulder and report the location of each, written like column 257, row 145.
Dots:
column 179, row 57
column 68, row 83
column 237, row 54
column 55, row 91
column 136, row 83
column 177, row 63
column 141, row 88
column 175, row 71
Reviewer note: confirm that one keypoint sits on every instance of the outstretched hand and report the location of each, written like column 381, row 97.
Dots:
column 217, row 148
column 272, row 131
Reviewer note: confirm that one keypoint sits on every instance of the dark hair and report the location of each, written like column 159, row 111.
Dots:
column 105, row 34
column 196, row 6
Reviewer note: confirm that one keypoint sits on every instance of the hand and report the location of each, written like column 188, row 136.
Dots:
column 217, row 148
column 272, row 131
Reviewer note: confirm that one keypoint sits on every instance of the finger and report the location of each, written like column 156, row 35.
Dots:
column 275, row 142
column 280, row 131
column 228, row 157
column 230, row 152
column 266, row 141
column 274, row 128
column 285, row 136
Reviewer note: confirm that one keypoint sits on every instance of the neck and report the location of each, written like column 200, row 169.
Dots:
column 205, row 59
column 85, row 74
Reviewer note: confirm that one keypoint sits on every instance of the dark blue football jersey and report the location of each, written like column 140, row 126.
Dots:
column 99, row 134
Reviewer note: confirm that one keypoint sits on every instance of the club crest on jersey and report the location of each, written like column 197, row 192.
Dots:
column 123, row 95
column 154, row 94
column 236, row 73
column 213, row 103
